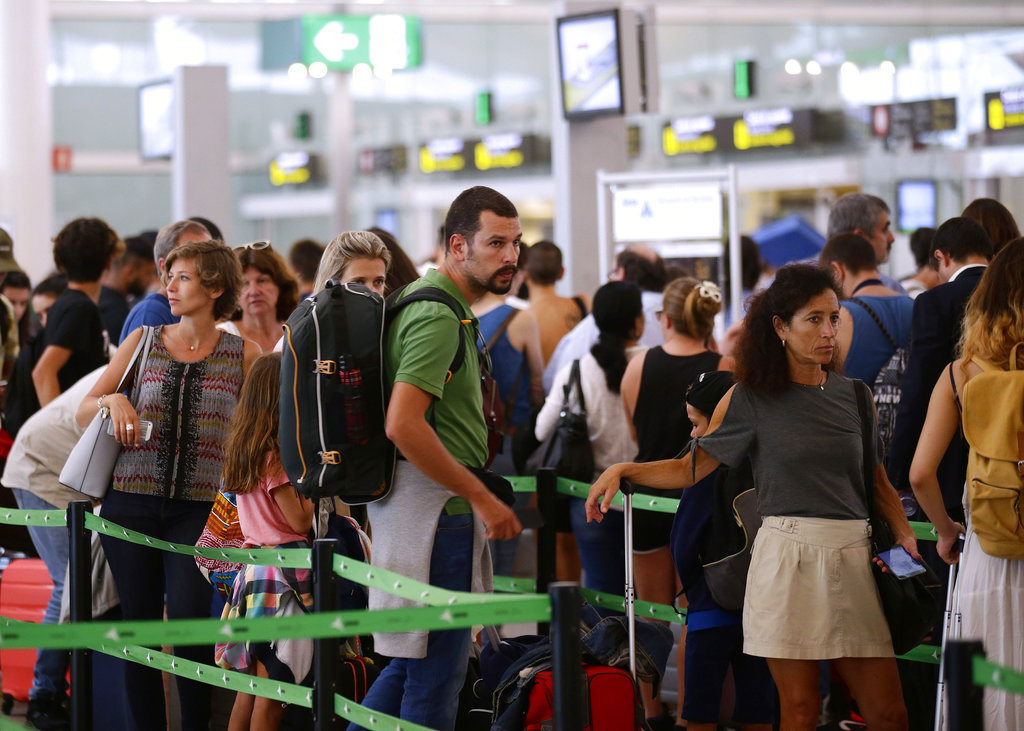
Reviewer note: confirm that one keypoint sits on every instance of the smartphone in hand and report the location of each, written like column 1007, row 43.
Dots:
column 901, row 563
column 145, row 429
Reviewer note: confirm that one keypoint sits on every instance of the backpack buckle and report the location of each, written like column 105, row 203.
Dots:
column 332, row 457
column 325, row 367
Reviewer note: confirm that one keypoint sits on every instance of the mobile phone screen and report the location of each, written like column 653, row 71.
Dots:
column 901, row 563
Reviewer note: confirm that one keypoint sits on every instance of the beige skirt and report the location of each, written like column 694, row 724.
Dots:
column 810, row 593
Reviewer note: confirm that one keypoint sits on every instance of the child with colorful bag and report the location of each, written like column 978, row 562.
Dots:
column 272, row 514
column 714, row 637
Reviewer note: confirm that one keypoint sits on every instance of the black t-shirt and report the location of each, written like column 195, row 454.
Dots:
column 74, row 323
column 662, row 426
column 114, row 309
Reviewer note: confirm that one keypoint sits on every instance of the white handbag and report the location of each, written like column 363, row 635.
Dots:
column 90, row 466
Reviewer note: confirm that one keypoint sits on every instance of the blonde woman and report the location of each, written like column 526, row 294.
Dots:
column 354, row 256
column 654, row 394
column 991, row 589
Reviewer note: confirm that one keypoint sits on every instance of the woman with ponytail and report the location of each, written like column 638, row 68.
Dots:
column 618, row 313
column 654, row 393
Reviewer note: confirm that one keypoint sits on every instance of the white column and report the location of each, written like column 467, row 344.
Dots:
column 200, row 173
column 341, row 155
column 26, row 134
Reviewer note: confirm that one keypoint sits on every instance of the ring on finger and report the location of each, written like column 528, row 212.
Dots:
column 130, row 427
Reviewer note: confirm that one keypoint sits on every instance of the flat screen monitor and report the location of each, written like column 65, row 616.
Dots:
column 915, row 205
column 387, row 219
column 156, row 120
column 590, row 61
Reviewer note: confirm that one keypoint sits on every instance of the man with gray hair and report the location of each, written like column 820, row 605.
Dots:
column 868, row 216
column 154, row 309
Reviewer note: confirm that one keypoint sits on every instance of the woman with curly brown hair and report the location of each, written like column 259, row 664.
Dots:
column 991, row 588
column 269, row 294
column 810, row 591
column 164, row 482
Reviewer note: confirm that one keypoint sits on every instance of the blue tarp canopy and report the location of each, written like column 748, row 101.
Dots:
column 788, row 239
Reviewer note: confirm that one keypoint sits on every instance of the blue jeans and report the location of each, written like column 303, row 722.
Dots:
column 144, row 578
column 602, row 548
column 426, row 690
column 50, row 675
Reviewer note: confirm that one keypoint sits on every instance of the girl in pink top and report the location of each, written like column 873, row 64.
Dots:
column 272, row 514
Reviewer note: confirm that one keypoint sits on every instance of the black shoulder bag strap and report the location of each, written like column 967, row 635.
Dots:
column 574, row 382
column 880, row 530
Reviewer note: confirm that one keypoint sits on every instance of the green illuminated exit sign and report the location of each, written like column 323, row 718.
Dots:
column 345, row 41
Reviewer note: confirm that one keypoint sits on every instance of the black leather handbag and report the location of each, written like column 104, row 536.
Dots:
column 910, row 605
column 568, row 447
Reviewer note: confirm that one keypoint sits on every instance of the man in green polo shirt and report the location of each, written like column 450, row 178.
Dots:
column 434, row 524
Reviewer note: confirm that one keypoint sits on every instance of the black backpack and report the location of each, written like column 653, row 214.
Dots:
column 885, row 389
column 333, row 396
column 725, row 556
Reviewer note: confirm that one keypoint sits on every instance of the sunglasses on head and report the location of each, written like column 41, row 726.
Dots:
column 255, row 245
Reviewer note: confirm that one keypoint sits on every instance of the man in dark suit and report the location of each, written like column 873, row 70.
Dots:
column 962, row 249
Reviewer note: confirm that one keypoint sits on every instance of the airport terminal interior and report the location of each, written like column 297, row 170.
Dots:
column 679, row 125
column 343, row 116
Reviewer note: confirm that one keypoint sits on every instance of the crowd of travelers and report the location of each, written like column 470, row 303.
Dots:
column 772, row 402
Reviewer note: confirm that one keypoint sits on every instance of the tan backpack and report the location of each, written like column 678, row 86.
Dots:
column 993, row 417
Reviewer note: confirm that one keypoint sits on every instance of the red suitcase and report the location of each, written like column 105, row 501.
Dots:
column 613, row 701
column 25, row 590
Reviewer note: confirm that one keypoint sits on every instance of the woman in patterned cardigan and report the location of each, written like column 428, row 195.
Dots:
column 164, row 486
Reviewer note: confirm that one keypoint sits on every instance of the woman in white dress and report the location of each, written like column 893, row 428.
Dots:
column 991, row 589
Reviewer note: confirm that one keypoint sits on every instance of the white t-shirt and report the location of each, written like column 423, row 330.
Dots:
column 607, row 423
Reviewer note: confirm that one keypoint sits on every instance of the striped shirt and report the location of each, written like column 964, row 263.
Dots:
column 190, row 405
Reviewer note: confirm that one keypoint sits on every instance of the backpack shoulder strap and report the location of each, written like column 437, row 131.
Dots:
column 878, row 322
column 864, row 409
column 984, row 365
column 502, row 328
column 395, row 303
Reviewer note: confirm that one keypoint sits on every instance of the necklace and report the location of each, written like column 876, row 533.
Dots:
column 191, row 347
column 868, row 283
column 820, row 384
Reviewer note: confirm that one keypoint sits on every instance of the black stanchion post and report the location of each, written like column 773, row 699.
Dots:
column 80, row 604
column 547, row 491
column 566, row 655
column 965, row 698
column 325, row 649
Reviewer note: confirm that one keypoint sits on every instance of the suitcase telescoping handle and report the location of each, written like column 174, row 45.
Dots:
column 627, row 489
column 950, row 631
